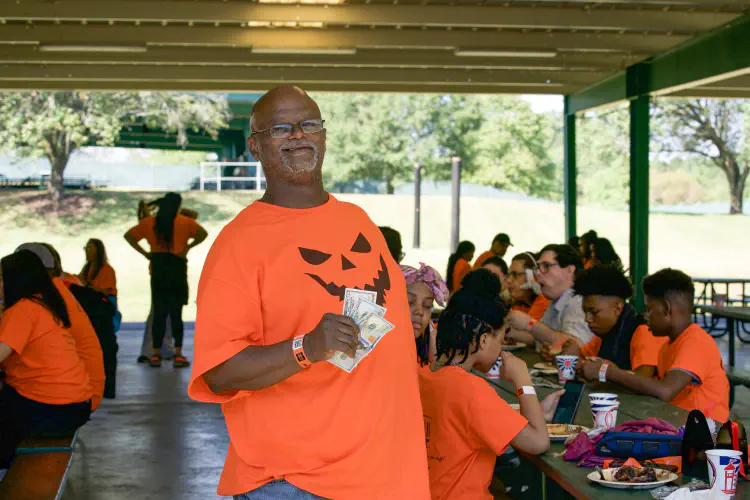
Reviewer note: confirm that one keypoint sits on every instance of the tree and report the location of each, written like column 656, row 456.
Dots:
column 719, row 130
column 382, row 136
column 55, row 124
column 515, row 148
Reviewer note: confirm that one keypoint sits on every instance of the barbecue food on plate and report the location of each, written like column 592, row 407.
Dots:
column 630, row 474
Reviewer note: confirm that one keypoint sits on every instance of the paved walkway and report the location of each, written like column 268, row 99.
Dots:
column 152, row 442
column 155, row 443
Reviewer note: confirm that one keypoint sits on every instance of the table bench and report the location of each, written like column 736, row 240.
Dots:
column 737, row 376
column 36, row 476
column 50, row 444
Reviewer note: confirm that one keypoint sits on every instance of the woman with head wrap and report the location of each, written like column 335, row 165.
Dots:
column 424, row 287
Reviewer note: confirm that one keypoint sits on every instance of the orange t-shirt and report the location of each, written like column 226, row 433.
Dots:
column 467, row 425
column 71, row 279
column 105, row 280
column 482, row 259
column 644, row 347
column 272, row 274
column 88, row 348
column 460, row 270
column 696, row 353
column 44, row 365
column 184, row 229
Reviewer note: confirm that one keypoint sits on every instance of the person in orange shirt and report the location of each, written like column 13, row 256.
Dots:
column 691, row 373
column 96, row 272
column 87, row 342
column 424, row 288
column 459, row 264
column 525, row 292
column 499, row 248
column 622, row 336
column 169, row 236
column 586, row 243
column 269, row 318
column 47, row 388
column 467, row 425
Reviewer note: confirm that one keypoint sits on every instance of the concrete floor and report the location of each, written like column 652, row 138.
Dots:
column 155, row 443
column 152, row 442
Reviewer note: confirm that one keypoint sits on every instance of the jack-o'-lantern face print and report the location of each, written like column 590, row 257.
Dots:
column 360, row 254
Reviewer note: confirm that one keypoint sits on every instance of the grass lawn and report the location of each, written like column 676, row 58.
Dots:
column 710, row 245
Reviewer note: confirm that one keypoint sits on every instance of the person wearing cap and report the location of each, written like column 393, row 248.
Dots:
column 498, row 249
column 87, row 343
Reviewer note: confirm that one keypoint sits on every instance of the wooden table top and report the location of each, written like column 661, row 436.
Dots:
column 738, row 313
column 632, row 407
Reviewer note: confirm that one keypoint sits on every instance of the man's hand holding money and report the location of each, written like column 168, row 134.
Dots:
column 335, row 332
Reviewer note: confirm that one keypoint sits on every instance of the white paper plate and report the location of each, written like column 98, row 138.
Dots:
column 562, row 437
column 546, row 368
column 516, row 347
column 663, row 476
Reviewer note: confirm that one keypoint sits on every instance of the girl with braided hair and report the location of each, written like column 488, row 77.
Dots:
column 467, row 425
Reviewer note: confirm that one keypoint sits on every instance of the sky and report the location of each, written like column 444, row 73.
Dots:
column 544, row 103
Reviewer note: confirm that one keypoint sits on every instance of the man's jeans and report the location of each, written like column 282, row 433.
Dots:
column 278, row 490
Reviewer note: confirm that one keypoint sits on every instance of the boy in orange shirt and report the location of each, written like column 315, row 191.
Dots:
column 467, row 425
column 691, row 372
column 622, row 335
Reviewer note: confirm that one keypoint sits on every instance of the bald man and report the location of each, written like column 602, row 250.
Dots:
column 269, row 318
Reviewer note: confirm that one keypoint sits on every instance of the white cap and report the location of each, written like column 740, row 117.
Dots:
column 41, row 251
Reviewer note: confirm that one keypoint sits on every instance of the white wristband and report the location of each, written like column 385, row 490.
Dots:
column 603, row 372
column 525, row 390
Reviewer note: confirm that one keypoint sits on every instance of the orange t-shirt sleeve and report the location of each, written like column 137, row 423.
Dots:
column 229, row 316
column 481, row 260
column 106, row 279
column 191, row 226
column 539, row 307
column 17, row 325
column 143, row 228
column 592, row 348
column 462, row 269
column 691, row 357
column 645, row 348
column 486, row 411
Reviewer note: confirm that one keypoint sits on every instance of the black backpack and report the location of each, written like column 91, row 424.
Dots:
column 99, row 310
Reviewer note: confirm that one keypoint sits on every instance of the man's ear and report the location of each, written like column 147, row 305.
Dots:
column 253, row 147
column 668, row 307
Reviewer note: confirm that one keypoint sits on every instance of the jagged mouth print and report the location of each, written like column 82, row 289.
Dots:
column 380, row 284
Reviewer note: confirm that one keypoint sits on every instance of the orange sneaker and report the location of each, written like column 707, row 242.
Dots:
column 181, row 362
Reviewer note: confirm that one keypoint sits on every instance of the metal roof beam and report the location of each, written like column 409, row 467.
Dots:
column 497, row 16
column 284, row 38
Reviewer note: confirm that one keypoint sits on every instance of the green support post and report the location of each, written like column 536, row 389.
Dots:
column 569, row 173
column 639, row 194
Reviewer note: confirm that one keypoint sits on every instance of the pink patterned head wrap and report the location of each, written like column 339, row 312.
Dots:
column 430, row 277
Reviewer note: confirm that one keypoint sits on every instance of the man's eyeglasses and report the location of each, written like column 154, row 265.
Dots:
column 284, row 130
column 544, row 267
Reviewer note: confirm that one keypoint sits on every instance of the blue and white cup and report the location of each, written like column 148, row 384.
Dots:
column 723, row 471
column 605, row 417
column 602, row 398
column 494, row 372
column 566, row 367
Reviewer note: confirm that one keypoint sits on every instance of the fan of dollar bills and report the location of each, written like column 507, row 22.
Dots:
column 361, row 307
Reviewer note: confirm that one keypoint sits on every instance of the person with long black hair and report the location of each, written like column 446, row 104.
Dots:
column 467, row 424
column 171, row 236
column 603, row 253
column 47, row 388
column 459, row 264
column 97, row 273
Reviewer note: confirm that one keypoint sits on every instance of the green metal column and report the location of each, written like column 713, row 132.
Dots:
column 569, row 173
column 639, row 193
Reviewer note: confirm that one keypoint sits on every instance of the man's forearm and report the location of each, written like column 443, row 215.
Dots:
column 641, row 385
column 543, row 333
column 254, row 368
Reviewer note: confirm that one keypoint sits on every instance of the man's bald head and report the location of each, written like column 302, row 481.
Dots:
column 278, row 97
column 298, row 157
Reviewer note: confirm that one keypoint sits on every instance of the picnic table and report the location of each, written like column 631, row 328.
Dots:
column 563, row 479
column 733, row 315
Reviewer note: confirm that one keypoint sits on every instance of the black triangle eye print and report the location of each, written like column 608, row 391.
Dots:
column 361, row 245
column 314, row 257
column 346, row 264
